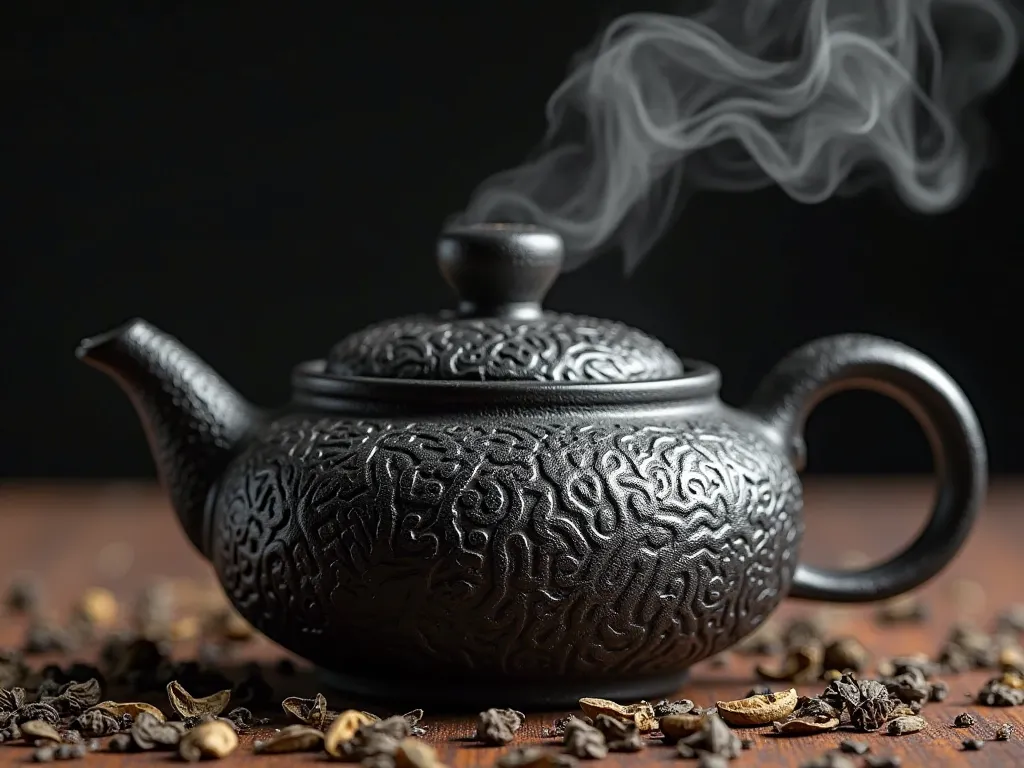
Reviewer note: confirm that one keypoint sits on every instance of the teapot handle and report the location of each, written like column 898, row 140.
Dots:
column 824, row 367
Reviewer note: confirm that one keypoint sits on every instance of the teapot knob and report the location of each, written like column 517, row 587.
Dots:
column 500, row 270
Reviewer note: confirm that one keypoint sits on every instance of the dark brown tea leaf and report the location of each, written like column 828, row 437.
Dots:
column 313, row 712
column 584, row 741
column 498, row 726
column 215, row 739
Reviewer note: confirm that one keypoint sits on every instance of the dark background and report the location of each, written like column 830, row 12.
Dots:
column 260, row 183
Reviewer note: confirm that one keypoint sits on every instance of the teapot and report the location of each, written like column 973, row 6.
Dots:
column 500, row 503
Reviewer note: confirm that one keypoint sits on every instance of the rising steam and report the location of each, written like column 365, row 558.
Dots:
column 818, row 96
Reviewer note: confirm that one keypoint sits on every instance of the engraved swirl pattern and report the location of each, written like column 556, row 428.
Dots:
column 572, row 550
column 554, row 347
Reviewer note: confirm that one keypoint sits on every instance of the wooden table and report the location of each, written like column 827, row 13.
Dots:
column 59, row 533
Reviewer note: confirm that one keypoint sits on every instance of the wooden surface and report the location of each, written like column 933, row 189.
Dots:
column 124, row 537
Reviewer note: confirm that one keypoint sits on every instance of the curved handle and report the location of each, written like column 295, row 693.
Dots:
column 826, row 366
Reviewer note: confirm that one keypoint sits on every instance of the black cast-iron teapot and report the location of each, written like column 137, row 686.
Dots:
column 505, row 504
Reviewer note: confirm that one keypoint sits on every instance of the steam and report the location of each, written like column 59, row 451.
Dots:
column 820, row 97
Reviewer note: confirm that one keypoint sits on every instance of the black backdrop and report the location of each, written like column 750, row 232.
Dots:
column 260, row 182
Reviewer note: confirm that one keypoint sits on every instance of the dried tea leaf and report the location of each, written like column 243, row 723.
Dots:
column 902, row 610
column 343, row 729
column 11, row 699
column 312, row 712
column 872, row 713
column 291, row 738
column 1004, row 732
column 904, row 725
column 679, row 707
column 804, row 725
column 585, row 741
column 38, row 711
column 758, row 710
column 216, row 739
column 641, row 713
column 715, row 737
column 498, row 726
column 133, row 709
column 854, row 747
column 75, row 698
column 802, row 664
column 619, row 735
column 96, row 723
column 39, row 729
column 188, row 706
column 972, row 745
column 414, row 753
column 679, row 726
column 963, row 720
column 1011, row 659
column 149, row 733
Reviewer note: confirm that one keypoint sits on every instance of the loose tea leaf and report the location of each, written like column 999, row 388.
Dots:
column 963, row 720
column 871, row 714
column 39, row 729
column 972, row 745
column 498, row 726
column 11, row 699
column 1004, row 691
column 312, row 712
column 414, row 753
column 641, row 713
column 291, row 738
column 585, row 741
column 1004, row 732
column 939, row 691
column 121, row 742
column 131, row 708
column 150, row 733
column 619, row 735
column 75, row 698
column 188, row 706
column 676, row 727
column 344, row 728
column 215, row 739
column 805, row 725
column 802, row 664
column 758, row 710
column 557, row 728
column 715, row 737
column 678, row 707
column 374, row 739
column 96, row 723
column 854, row 747
column 38, row 711
column 24, row 595
column 846, row 654
column 904, row 725
column 535, row 757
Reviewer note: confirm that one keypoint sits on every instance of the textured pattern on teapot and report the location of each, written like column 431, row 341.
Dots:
column 512, row 551
column 552, row 348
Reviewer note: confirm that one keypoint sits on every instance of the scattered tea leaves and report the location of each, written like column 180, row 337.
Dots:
column 149, row 733
column 213, row 740
column 188, row 706
column 1004, row 732
column 498, row 726
column 641, row 713
column 883, row 761
column 715, row 737
column 1004, row 691
column 972, row 745
column 96, row 723
column 760, row 709
column 291, row 738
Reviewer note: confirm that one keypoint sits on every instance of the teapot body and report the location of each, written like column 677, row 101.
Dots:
column 592, row 554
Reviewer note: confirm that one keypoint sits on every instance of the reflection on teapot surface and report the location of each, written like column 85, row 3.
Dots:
column 505, row 502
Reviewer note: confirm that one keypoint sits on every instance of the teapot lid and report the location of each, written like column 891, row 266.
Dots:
column 499, row 332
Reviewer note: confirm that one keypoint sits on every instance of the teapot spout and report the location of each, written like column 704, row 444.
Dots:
column 193, row 419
